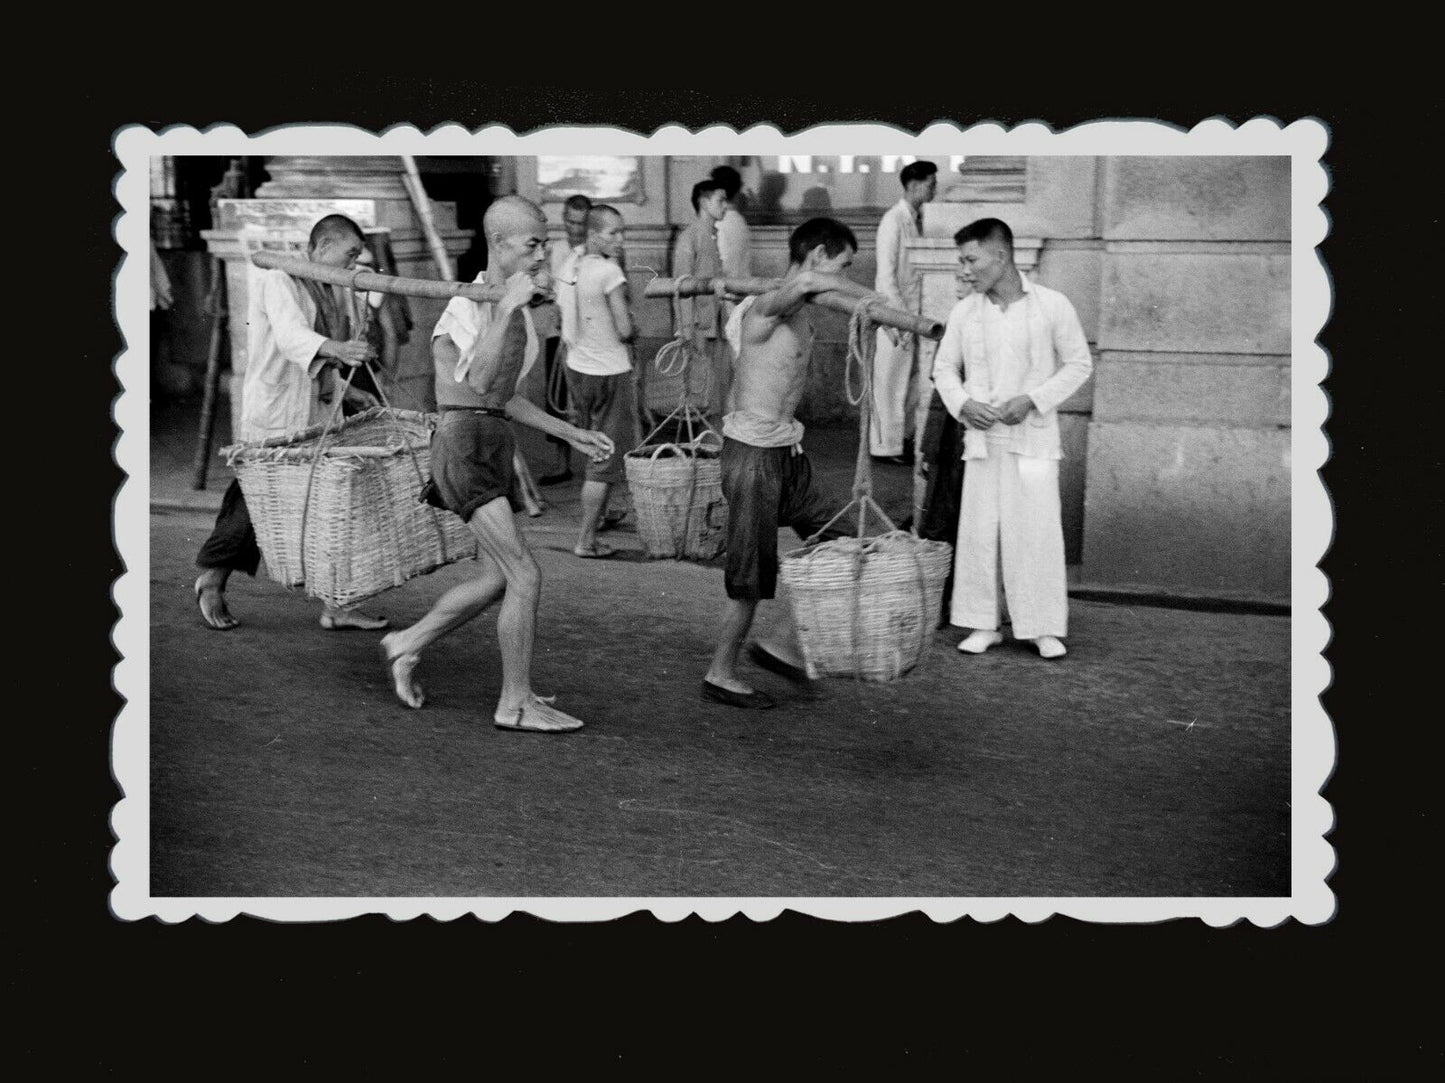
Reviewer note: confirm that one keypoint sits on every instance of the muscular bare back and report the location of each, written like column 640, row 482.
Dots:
column 772, row 366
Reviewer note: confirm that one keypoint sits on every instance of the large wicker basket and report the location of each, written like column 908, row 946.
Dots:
column 365, row 531
column 677, row 493
column 866, row 608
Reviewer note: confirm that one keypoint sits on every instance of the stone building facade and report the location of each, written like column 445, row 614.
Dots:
column 1177, row 476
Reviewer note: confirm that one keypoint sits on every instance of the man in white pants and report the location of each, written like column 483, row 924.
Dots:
column 897, row 390
column 1012, row 352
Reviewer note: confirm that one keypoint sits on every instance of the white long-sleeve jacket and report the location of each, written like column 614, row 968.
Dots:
column 278, row 395
column 1058, row 364
column 896, row 279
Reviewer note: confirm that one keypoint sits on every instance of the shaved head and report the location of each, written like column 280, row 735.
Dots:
column 601, row 216
column 510, row 216
column 516, row 232
column 332, row 228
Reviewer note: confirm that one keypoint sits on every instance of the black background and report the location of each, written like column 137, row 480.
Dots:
column 1346, row 999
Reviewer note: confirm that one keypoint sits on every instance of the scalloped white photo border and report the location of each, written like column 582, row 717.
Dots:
column 1312, row 858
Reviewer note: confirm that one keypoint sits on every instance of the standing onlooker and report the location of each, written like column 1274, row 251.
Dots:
column 696, row 254
column 548, row 322
column 1012, row 352
column 898, row 390
column 596, row 328
column 734, row 239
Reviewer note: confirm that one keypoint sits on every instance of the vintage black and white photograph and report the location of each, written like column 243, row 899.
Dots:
column 855, row 522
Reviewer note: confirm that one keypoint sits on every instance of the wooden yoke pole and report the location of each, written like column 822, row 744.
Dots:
column 838, row 302
column 359, row 279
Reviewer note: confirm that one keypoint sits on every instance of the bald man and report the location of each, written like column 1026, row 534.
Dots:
column 481, row 353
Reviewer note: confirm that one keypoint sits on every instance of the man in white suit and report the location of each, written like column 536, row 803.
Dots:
column 897, row 389
column 1011, row 353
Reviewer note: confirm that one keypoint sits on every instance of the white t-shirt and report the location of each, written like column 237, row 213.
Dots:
column 587, row 326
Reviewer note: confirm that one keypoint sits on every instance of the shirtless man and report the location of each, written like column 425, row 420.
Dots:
column 481, row 353
column 766, row 478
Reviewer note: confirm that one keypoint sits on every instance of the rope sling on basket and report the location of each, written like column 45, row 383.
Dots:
column 675, row 380
column 864, row 607
column 676, row 486
column 343, row 520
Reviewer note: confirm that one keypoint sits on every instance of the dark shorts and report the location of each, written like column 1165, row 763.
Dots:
column 471, row 463
column 766, row 487
column 606, row 404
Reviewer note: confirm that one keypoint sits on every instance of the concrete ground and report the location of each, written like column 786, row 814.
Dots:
column 1153, row 761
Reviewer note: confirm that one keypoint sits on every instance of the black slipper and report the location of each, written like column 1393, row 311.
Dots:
column 770, row 661
column 758, row 701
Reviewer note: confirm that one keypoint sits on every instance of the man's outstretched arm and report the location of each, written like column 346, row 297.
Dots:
column 596, row 446
column 802, row 286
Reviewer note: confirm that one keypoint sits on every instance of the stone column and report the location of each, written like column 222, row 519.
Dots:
column 1189, row 448
column 369, row 188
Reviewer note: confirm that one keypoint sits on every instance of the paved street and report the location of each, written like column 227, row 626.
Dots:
column 1153, row 761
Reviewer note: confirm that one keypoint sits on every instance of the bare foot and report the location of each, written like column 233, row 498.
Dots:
column 402, row 668
column 212, row 601
column 350, row 620
column 537, row 715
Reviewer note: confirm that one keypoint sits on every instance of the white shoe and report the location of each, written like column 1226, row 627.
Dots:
column 1050, row 647
column 980, row 641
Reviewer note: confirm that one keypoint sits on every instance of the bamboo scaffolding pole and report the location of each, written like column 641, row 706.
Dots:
column 220, row 332
column 837, row 301
column 411, row 177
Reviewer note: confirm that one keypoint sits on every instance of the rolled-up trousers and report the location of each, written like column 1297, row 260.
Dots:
column 902, row 388
column 1010, row 527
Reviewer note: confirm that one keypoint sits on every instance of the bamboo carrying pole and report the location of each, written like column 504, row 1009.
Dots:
column 360, row 279
column 216, row 304
column 838, row 302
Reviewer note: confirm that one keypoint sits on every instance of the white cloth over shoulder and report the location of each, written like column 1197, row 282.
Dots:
column 1036, row 348
column 466, row 322
column 733, row 332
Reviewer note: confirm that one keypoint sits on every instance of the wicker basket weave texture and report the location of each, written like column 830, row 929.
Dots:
column 366, row 532
column 895, row 613
column 662, row 392
column 667, row 523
